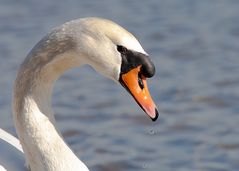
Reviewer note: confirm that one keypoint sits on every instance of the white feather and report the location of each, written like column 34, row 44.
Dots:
column 84, row 41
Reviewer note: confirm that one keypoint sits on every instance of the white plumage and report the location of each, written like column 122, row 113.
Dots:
column 84, row 41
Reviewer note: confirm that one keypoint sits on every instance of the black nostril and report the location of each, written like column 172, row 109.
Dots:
column 140, row 81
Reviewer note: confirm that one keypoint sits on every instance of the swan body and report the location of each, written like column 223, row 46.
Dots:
column 100, row 43
column 11, row 153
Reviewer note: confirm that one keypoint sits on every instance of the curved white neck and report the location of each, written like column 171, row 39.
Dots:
column 34, row 119
column 90, row 41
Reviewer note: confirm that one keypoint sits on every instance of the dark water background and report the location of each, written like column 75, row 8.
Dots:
column 195, row 47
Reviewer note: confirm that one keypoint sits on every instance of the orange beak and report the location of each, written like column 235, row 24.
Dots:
column 136, row 84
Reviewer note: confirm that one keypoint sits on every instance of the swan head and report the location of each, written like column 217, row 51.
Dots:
column 114, row 52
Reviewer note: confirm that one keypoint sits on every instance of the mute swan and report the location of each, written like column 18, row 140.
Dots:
column 100, row 43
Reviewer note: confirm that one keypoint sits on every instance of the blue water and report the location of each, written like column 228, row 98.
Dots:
column 195, row 47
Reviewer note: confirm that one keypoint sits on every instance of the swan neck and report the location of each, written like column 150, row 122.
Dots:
column 42, row 143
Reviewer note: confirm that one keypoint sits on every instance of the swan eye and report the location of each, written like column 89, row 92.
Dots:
column 122, row 49
column 140, row 81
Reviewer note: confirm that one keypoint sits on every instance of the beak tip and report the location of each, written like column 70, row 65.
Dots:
column 156, row 115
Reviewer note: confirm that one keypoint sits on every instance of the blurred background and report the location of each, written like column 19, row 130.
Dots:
column 195, row 47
